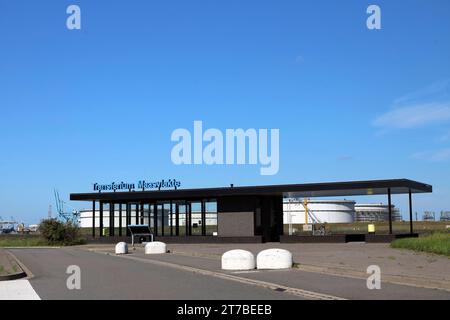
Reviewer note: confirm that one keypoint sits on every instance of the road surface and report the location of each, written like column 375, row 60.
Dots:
column 108, row 277
column 171, row 276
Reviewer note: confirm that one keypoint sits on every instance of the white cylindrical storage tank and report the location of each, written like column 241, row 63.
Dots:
column 375, row 212
column 319, row 211
column 85, row 218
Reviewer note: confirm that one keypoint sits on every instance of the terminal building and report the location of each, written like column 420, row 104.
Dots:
column 317, row 211
column 231, row 214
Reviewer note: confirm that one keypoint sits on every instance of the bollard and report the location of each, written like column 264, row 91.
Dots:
column 274, row 259
column 121, row 248
column 155, row 247
column 238, row 260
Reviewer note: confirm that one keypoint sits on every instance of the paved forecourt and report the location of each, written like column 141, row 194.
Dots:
column 333, row 285
column 111, row 277
column 190, row 276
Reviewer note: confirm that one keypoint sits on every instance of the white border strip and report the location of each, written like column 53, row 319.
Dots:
column 17, row 290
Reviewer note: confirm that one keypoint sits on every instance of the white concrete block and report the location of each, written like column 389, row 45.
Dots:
column 274, row 259
column 121, row 248
column 155, row 247
column 238, row 260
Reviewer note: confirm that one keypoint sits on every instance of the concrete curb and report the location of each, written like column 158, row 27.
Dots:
column 18, row 275
column 14, row 276
column 23, row 266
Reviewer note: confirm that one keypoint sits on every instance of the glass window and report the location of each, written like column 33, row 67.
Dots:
column 151, row 217
column 105, row 219
column 182, row 219
column 124, row 217
column 167, row 219
column 196, row 218
column 173, row 218
column 210, row 217
column 135, row 209
column 159, row 220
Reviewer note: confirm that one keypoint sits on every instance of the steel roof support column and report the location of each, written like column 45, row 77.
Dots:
column 171, row 214
column 189, row 218
column 163, row 223
column 120, row 219
column 410, row 212
column 177, row 219
column 128, row 218
column 155, row 217
column 111, row 218
column 390, row 210
column 93, row 219
column 136, row 213
column 101, row 219
column 203, row 216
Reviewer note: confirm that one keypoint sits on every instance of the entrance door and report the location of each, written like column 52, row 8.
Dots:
column 164, row 219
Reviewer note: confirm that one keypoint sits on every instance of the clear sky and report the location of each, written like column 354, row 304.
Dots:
column 99, row 104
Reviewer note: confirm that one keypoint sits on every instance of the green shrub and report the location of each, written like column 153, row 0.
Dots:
column 56, row 232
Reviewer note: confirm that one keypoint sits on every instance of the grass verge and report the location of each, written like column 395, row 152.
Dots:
column 438, row 243
column 22, row 242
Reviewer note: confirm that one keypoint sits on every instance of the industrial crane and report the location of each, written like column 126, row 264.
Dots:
column 64, row 215
column 314, row 221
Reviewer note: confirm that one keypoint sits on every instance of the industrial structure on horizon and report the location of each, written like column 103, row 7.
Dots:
column 296, row 211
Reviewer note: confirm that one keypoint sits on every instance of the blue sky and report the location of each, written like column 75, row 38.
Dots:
column 99, row 104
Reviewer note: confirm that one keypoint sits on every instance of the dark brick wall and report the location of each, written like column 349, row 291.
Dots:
column 236, row 224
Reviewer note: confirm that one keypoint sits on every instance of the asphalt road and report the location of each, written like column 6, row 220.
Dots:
column 109, row 277
column 340, row 286
column 139, row 276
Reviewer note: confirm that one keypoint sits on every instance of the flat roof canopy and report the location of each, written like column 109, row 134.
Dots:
column 323, row 189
